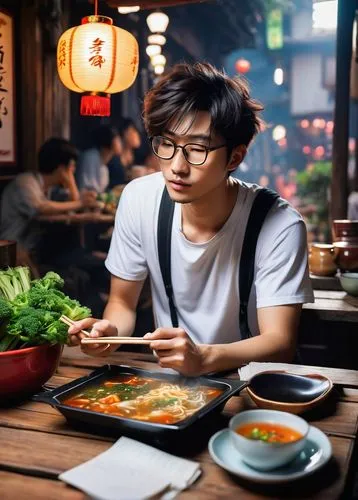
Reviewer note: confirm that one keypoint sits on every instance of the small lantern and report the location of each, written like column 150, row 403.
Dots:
column 242, row 66
column 157, row 22
column 97, row 59
column 153, row 50
column 156, row 39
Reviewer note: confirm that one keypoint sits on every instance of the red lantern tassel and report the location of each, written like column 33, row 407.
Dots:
column 94, row 104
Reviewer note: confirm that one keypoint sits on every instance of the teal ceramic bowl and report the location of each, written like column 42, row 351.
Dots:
column 349, row 283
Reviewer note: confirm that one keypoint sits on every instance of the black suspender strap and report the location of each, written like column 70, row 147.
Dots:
column 260, row 208
column 165, row 222
column 262, row 204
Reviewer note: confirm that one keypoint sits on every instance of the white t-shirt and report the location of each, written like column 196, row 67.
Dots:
column 205, row 275
column 353, row 206
column 20, row 203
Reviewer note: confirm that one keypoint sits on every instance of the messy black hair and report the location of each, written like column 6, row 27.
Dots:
column 188, row 89
column 124, row 124
column 55, row 152
column 102, row 136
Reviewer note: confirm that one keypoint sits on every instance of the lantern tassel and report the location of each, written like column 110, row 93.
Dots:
column 94, row 104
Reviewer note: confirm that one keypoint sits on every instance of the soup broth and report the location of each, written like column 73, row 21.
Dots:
column 269, row 433
column 142, row 398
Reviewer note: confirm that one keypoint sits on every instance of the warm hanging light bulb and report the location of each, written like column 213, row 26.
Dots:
column 278, row 76
column 128, row 10
column 158, row 60
column 159, row 69
column 157, row 22
column 153, row 50
column 156, row 39
column 278, row 133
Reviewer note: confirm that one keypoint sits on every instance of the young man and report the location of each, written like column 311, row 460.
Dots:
column 201, row 122
column 25, row 197
column 92, row 172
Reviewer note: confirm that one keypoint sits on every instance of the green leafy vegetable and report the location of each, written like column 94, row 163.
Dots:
column 30, row 310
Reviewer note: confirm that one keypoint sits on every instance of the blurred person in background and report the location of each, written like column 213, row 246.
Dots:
column 353, row 205
column 150, row 166
column 353, row 196
column 121, row 163
column 26, row 197
column 92, row 171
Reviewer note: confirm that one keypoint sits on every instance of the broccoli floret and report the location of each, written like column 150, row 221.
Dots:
column 50, row 300
column 20, row 302
column 57, row 301
column 6, row 313
column 5, row 310
column 73, row 309
column 57, row 332
column 31, row 325
column 51, row 280
column 32, row 316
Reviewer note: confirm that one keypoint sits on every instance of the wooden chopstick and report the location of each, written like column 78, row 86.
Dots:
column 106, row 340
column 69, row 322
column 116, row 340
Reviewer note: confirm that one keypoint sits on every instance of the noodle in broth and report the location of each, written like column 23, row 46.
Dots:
column 145, row 399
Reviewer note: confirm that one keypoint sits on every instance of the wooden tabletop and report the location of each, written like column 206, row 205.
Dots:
column 37, row 444
column 78, row 218
column 331, row 305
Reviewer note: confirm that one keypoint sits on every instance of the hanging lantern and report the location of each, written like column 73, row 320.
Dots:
column 128, row 10
column 97, row 59
column 158, row 60
column 157, row 22
column 159, row 69
column 156, row 39
column 242, row 66
column 153, row 50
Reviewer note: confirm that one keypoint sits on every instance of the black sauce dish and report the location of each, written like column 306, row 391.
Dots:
column 289, row 392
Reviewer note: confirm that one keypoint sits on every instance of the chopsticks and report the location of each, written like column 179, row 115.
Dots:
column 106, row 340
column 69, row 322
column 117, row 340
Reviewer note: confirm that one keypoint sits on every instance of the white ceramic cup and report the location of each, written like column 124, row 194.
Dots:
column 263, row 455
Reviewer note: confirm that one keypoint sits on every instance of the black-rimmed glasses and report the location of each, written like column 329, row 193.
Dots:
column 195, row 154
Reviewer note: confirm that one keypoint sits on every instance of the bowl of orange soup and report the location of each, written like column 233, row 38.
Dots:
column 268, row 439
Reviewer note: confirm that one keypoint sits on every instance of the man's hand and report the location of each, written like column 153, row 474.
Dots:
column 176, row 350
column 66, row 176
column 89, row 199
column 97, row 328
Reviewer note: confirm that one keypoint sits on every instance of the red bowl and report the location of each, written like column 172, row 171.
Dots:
column 23, row 371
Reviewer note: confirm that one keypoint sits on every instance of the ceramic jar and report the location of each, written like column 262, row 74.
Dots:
column 322, row 259
column 347, row 258
column 345, row 230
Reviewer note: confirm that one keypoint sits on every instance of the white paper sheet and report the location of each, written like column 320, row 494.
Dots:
column 132, row 470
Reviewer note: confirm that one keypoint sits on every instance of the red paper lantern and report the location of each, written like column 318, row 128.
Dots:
column 242, row 66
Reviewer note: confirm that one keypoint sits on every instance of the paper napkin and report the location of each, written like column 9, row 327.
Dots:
column 132, row 470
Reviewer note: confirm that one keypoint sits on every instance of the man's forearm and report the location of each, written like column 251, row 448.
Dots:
column 268, row 347
column 121, row 316
column 73, row 192
column 59, row 207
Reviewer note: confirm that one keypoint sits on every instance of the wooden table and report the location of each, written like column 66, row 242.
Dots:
column 79, row 218
column 332, row 305
column 79, row 221
column 37, row 444
column 328, row 330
